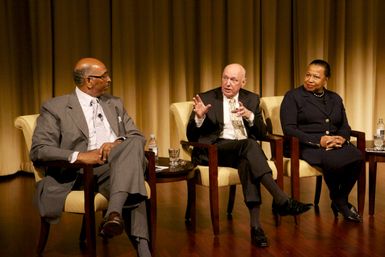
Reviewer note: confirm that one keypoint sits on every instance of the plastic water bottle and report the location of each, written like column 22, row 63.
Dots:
column 380, row 128
column 152, row 146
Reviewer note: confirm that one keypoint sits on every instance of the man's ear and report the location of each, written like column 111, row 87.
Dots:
column 243, row 83
column 88, row 83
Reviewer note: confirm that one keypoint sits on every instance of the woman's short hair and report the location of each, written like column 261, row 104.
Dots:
column 323, row 64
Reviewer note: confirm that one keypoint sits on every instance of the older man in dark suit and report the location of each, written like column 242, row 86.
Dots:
column 90, row 126
column 229, row 117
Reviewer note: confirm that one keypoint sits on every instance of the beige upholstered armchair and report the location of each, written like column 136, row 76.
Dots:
column 214, row 176
column 85, row 201
column 296, row 168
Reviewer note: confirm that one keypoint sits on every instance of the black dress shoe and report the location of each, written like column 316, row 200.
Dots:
column 258, row 237
column 291, row 207
column 350, row 215
column 352, row 208
column 112, row 226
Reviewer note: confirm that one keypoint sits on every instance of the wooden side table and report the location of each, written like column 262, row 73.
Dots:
column 173, row 174
column 373, row 157
column 180, row 173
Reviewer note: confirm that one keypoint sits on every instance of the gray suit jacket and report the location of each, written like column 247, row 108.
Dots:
column 62, row 129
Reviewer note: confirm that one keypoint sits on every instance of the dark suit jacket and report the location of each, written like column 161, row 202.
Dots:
column 213, row 124
column 62, row 129
column 308, row 118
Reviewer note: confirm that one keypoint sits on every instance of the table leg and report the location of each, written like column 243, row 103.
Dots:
column 361, row 188
column 190, row 215
column 372, row 184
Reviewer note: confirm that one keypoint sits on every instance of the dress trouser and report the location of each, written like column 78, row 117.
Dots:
column 340, row 182
column 125, row 173
column 341, row 169
column 247, row 156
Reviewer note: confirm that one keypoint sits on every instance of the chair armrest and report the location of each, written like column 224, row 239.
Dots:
column 212, row 150
column 213, row 159
column 360, row 136
column 276, row 142
column 294, row 163
column 88, row 183
column 150, row 173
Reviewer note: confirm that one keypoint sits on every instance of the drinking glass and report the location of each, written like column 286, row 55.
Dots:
column 173, row 154
column 378, row 142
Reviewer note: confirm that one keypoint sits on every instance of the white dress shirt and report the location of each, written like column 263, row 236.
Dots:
column 85, row 103
column 228, row 131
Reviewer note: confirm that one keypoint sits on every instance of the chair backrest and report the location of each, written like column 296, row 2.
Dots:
column 27, row 124
column 270, row 106
column 181, row 113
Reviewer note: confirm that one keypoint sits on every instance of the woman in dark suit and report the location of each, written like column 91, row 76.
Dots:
column 316, row 116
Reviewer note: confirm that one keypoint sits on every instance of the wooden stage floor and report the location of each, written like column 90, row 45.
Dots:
column 318, row 234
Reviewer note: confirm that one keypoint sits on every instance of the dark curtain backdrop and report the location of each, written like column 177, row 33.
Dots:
column 164, row 51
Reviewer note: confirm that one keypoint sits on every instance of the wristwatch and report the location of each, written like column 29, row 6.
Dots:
column 121, row 138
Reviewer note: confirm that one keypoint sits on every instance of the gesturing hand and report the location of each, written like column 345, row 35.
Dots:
column 242, row 111
column 200, row 108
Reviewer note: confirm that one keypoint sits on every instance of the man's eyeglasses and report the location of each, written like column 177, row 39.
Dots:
column 104, row 76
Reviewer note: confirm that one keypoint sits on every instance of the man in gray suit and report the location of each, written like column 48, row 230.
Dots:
column 92, row 127
column 229, row 117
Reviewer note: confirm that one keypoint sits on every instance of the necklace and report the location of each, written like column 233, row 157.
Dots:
column 319, row 95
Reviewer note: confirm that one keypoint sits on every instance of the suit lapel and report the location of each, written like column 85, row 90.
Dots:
column 219, row 106
column 320, row 106
column 111, row 113
column 75, row 111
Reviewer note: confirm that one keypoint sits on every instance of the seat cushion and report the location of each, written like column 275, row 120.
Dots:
column 75, row 201
column 226, row 176
column 305, row 169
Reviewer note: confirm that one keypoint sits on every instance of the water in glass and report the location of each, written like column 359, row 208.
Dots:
column 173, row 154
column 378, row 142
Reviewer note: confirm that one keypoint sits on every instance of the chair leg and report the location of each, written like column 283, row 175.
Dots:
column 190, row 215
column 318, row 187
column 295, row 194
column 44, row 231
column 89, row 218
column 230, row 204
column 82, row 236
column 214, row 209
column 151, row 220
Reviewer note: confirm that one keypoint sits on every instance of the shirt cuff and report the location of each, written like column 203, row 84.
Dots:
column 251, row 120
column 73, row 157
column 199, row 122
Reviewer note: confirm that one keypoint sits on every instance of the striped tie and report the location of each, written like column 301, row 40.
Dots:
column 100, row 130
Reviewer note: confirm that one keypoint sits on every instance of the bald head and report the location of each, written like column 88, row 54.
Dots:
column 85, row 67
column 91, row 76
column 233, row 79
column 237, row 68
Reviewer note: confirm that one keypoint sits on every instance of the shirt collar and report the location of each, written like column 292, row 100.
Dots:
column 235, row 97
column 84, row 98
